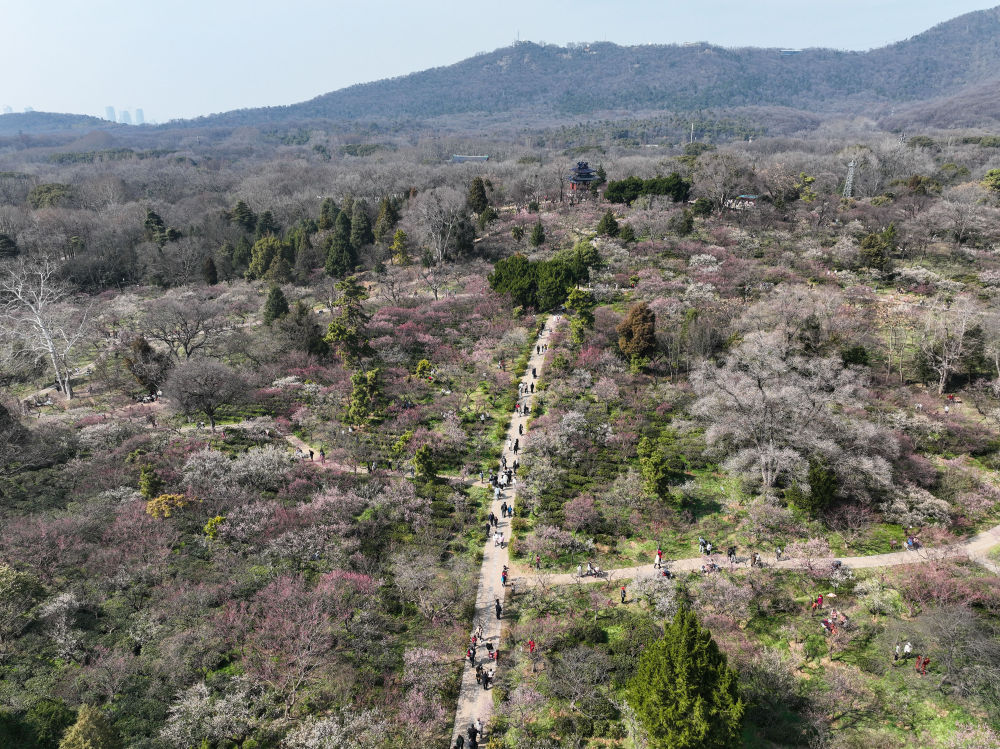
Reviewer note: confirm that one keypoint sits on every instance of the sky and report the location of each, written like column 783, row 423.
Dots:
column 184, row 58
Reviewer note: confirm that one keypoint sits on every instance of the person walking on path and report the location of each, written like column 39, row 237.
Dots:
column 777, row 554
column 538, row 561
column 531, row 647
column 499, row 608
column 907, row 649
column 895, row 653
column 659, row 558
column 623, row 594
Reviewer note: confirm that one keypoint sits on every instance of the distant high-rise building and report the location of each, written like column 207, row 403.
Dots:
column 8, row 109
column 139, row 116
column 109, row 114
column 124, row 117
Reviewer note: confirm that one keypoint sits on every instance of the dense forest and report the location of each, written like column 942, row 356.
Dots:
column 312, row 436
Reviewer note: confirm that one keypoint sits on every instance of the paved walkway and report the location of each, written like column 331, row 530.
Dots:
column 974, row 549
column 473, row 701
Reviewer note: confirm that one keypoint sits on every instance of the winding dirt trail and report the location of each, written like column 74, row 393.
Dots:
column 474, row 701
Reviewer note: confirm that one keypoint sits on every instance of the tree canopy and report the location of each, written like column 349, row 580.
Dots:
column 683, row 691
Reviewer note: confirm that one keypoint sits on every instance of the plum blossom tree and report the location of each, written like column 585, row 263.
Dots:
column 772, row 412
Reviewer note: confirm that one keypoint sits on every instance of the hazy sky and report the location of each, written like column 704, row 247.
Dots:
column 183, row 58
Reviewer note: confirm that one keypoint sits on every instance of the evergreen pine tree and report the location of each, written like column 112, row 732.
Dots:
column 280, row 270
column 91, row 731
column 153, row 227
column 241, row 254
column 340, row 257
column 150, row 484
column 608, row 225
column 328, row 211
column 683, row 691
column 366, row 397
column 267, row 225
column 424, row 463
column 345, row 331
column 476, row 200
column 388, row 217
column 209, row 272
column 8, row 247
column 399, row 248
column 361, row 226
column 637, row 332
column 626, row 234
column 243, row 217
column 537, row 234
column 275, row 306
column 262, row 254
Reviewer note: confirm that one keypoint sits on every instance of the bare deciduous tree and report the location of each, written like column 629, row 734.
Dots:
column 35, row 310
column 184, row 324
column 772, row 412
column 203, row 385
column 943, row 343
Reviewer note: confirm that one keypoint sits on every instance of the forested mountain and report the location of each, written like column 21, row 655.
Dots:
column 601, row 77
column 537, row 83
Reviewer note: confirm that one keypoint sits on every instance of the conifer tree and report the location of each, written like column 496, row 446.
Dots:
column 241, row 254
column 366, row 397
column 8, row 247
column 328, row 211
column 683, row 691
column 608, row 225
column 91, row 731
column 209, row 272
column 424, row 463
column 262, row 254
column 361, row 226
column 637, row 332
column 476, row 200
column 345, row 331
column 275, row 306
column 150, row 484
column 153, row 226
column 267, row 225
column 537, row 234
column 340, row 257
column 388, row 217
column 399, row 249
column 244, row 217
column 582, row 304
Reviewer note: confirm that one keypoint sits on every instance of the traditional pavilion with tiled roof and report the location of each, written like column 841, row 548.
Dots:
column 582, row 176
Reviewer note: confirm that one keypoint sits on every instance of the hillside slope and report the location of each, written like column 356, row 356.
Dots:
column 602, row 77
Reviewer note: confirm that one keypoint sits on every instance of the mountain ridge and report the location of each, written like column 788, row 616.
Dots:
column 549, row 81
